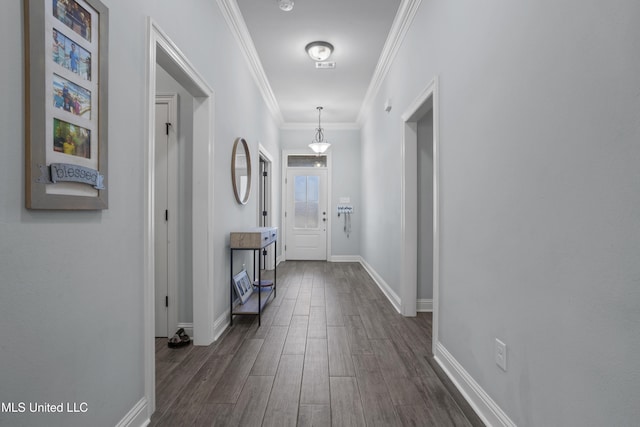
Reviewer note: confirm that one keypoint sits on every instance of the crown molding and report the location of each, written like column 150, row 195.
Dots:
column 238, row 27
column 401, row 24
column 312, row 126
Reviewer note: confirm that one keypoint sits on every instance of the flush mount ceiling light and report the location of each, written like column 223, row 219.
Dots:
column 319, row 51
column 319, row 145
column 285, row 5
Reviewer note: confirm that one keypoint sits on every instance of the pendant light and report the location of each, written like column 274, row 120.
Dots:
column 319, row 145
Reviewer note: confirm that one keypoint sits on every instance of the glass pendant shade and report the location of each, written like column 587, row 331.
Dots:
column 319, row 147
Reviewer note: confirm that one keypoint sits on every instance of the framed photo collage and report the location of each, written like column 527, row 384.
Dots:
column 66, row 118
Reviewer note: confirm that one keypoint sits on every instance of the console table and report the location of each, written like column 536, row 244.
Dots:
column 256, row 240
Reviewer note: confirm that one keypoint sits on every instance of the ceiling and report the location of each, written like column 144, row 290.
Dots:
column 357, row 29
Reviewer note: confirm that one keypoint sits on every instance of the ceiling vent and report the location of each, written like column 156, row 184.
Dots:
column 326, row 65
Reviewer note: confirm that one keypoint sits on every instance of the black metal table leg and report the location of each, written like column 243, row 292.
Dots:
column 231, row 289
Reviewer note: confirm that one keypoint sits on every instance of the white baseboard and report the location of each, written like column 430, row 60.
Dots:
column 345, row 258
column 424, row 305
column 220, row 325
column 393, row 298
column 137, row 416
column 488, row 410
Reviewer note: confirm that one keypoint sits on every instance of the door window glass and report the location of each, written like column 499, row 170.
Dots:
column 301, row 161
column 307, row 198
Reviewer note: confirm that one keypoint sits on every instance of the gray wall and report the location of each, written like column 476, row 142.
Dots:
column 345, row 181
column 71, row 283
column 540, row 208
column 184, row 130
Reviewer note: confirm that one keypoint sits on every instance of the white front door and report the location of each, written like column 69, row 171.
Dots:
column 307, row 215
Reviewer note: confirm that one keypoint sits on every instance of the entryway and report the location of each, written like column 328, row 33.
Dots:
column 162, row 52
column 306, row 216
column 420, row 206
column 265, row 201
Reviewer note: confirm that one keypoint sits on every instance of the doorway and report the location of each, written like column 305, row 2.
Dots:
column 425, row 212
column 162, row 52
column 420, row 122
column 265, row 201
column 165, row 215
column 306, row 215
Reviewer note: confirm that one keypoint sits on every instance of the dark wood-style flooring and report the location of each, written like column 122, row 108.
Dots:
column 331, row 351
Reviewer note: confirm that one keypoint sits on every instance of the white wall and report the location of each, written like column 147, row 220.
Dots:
column 71, row 283
column 345, row 181
column 540, row 208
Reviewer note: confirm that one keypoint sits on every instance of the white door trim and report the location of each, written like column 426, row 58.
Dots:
column 284, row 161
column 409, row 205
column 171, row 99
column 161, row 50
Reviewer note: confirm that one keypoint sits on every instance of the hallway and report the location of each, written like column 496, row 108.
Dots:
column 331, row 351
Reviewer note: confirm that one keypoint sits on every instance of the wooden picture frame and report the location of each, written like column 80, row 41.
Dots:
column 66, row 102
column 242, row 285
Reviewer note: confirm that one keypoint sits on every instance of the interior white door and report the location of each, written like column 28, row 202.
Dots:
column 161, row 223
column 306, row 216
column 166, row 216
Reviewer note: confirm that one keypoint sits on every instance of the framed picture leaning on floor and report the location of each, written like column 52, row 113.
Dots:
column 242, row 286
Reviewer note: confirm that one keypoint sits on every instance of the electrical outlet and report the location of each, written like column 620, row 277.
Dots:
column 500, row 354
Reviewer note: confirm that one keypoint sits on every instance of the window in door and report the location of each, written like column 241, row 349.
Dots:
column 307, row 200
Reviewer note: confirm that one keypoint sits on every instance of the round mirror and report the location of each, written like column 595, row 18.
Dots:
column 241, row 170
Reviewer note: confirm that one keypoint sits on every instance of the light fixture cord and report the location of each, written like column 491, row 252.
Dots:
column 319, row 134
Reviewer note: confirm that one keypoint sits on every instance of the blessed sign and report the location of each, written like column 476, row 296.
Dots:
column 65, row 172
